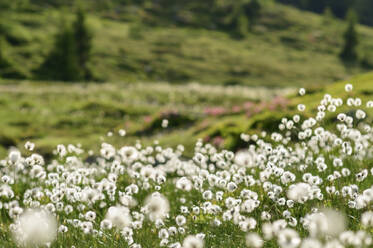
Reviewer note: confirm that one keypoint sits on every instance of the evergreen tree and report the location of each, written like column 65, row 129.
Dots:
column 242, row 26
column 252, row 11
column 351, row 41
column 4, row 61
column 7, row 68
column 83, row 43
column 238, row 20
column 62, row 61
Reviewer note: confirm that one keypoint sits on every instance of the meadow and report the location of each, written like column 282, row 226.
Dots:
column 49, row 113
column 303, row 180
column 191, row 129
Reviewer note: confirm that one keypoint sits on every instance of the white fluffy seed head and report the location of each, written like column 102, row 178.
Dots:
column 14, row 156
column 302, row 91
column 348, row 87
column 157, row 206
column 301, row 107
column 35, row 228
column 253, row 240
column 192, row 241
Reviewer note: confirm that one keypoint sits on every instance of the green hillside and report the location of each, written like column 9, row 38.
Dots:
column 286, row 47
column 52, row 113
column 49, row 114
column 230, row 127
column 206, row 82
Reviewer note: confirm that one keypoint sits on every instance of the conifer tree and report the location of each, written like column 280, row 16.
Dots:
column 7, row 68
column 83, row 42
column 4, row 62
column 351, row 40
column 252, row 11
column 62, row 61
column 242, row 26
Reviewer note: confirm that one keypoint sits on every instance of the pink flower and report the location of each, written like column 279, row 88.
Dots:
column 236, row 109
column 215, row 111
column 147, row 118
column 218, row 141
column 248, row 105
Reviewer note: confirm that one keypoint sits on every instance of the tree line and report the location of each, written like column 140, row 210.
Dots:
column 340, row 8
column 69, row 58
column 169, row 8
column 353, row 11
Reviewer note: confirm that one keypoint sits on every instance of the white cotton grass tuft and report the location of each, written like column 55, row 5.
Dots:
column 348, row 87
column 184, row 184
column 325, row 223
column 29, row 146
column 192, row 241
column 245, row 159
column 122, row 132
column 367, row 219
column 301, row 107
column 360, row 114
column 253, row 240
column 311, row 243
column 35, row 228
column 164, row 123
column 288, row 238
column 302, row 91
column 14, row 156
column 118, row 216
column 157, row 206
column 299, row 192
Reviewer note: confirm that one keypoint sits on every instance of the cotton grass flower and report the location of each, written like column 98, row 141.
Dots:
column 14, row 156
column 29, row 146
column 301, row 107
column 325, row 223
column 348, row 87
column 157, row 206
column 253, row 240
column 118, row 216
column 192, row 241
column 35, row 228
column 299, row 192
column 164, row 123
column 302, row 91
column 288, row 238
column 122, row 132
column 367, row 219
column 311, row 243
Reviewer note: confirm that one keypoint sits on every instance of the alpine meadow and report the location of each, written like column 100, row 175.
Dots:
column 186, row 124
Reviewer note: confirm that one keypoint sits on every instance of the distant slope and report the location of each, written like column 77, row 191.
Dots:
column 287, row 47
column 52, row 113
column 229, row 128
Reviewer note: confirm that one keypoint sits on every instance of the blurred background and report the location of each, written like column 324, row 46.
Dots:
column 80, row 71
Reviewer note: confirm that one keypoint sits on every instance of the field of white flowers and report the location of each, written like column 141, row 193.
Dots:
column 306, row 185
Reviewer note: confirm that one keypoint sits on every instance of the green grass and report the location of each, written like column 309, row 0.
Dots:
column 50, row 114
column 296, row 48
column 287, row 47
column 53, row 113
column 230, row 127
